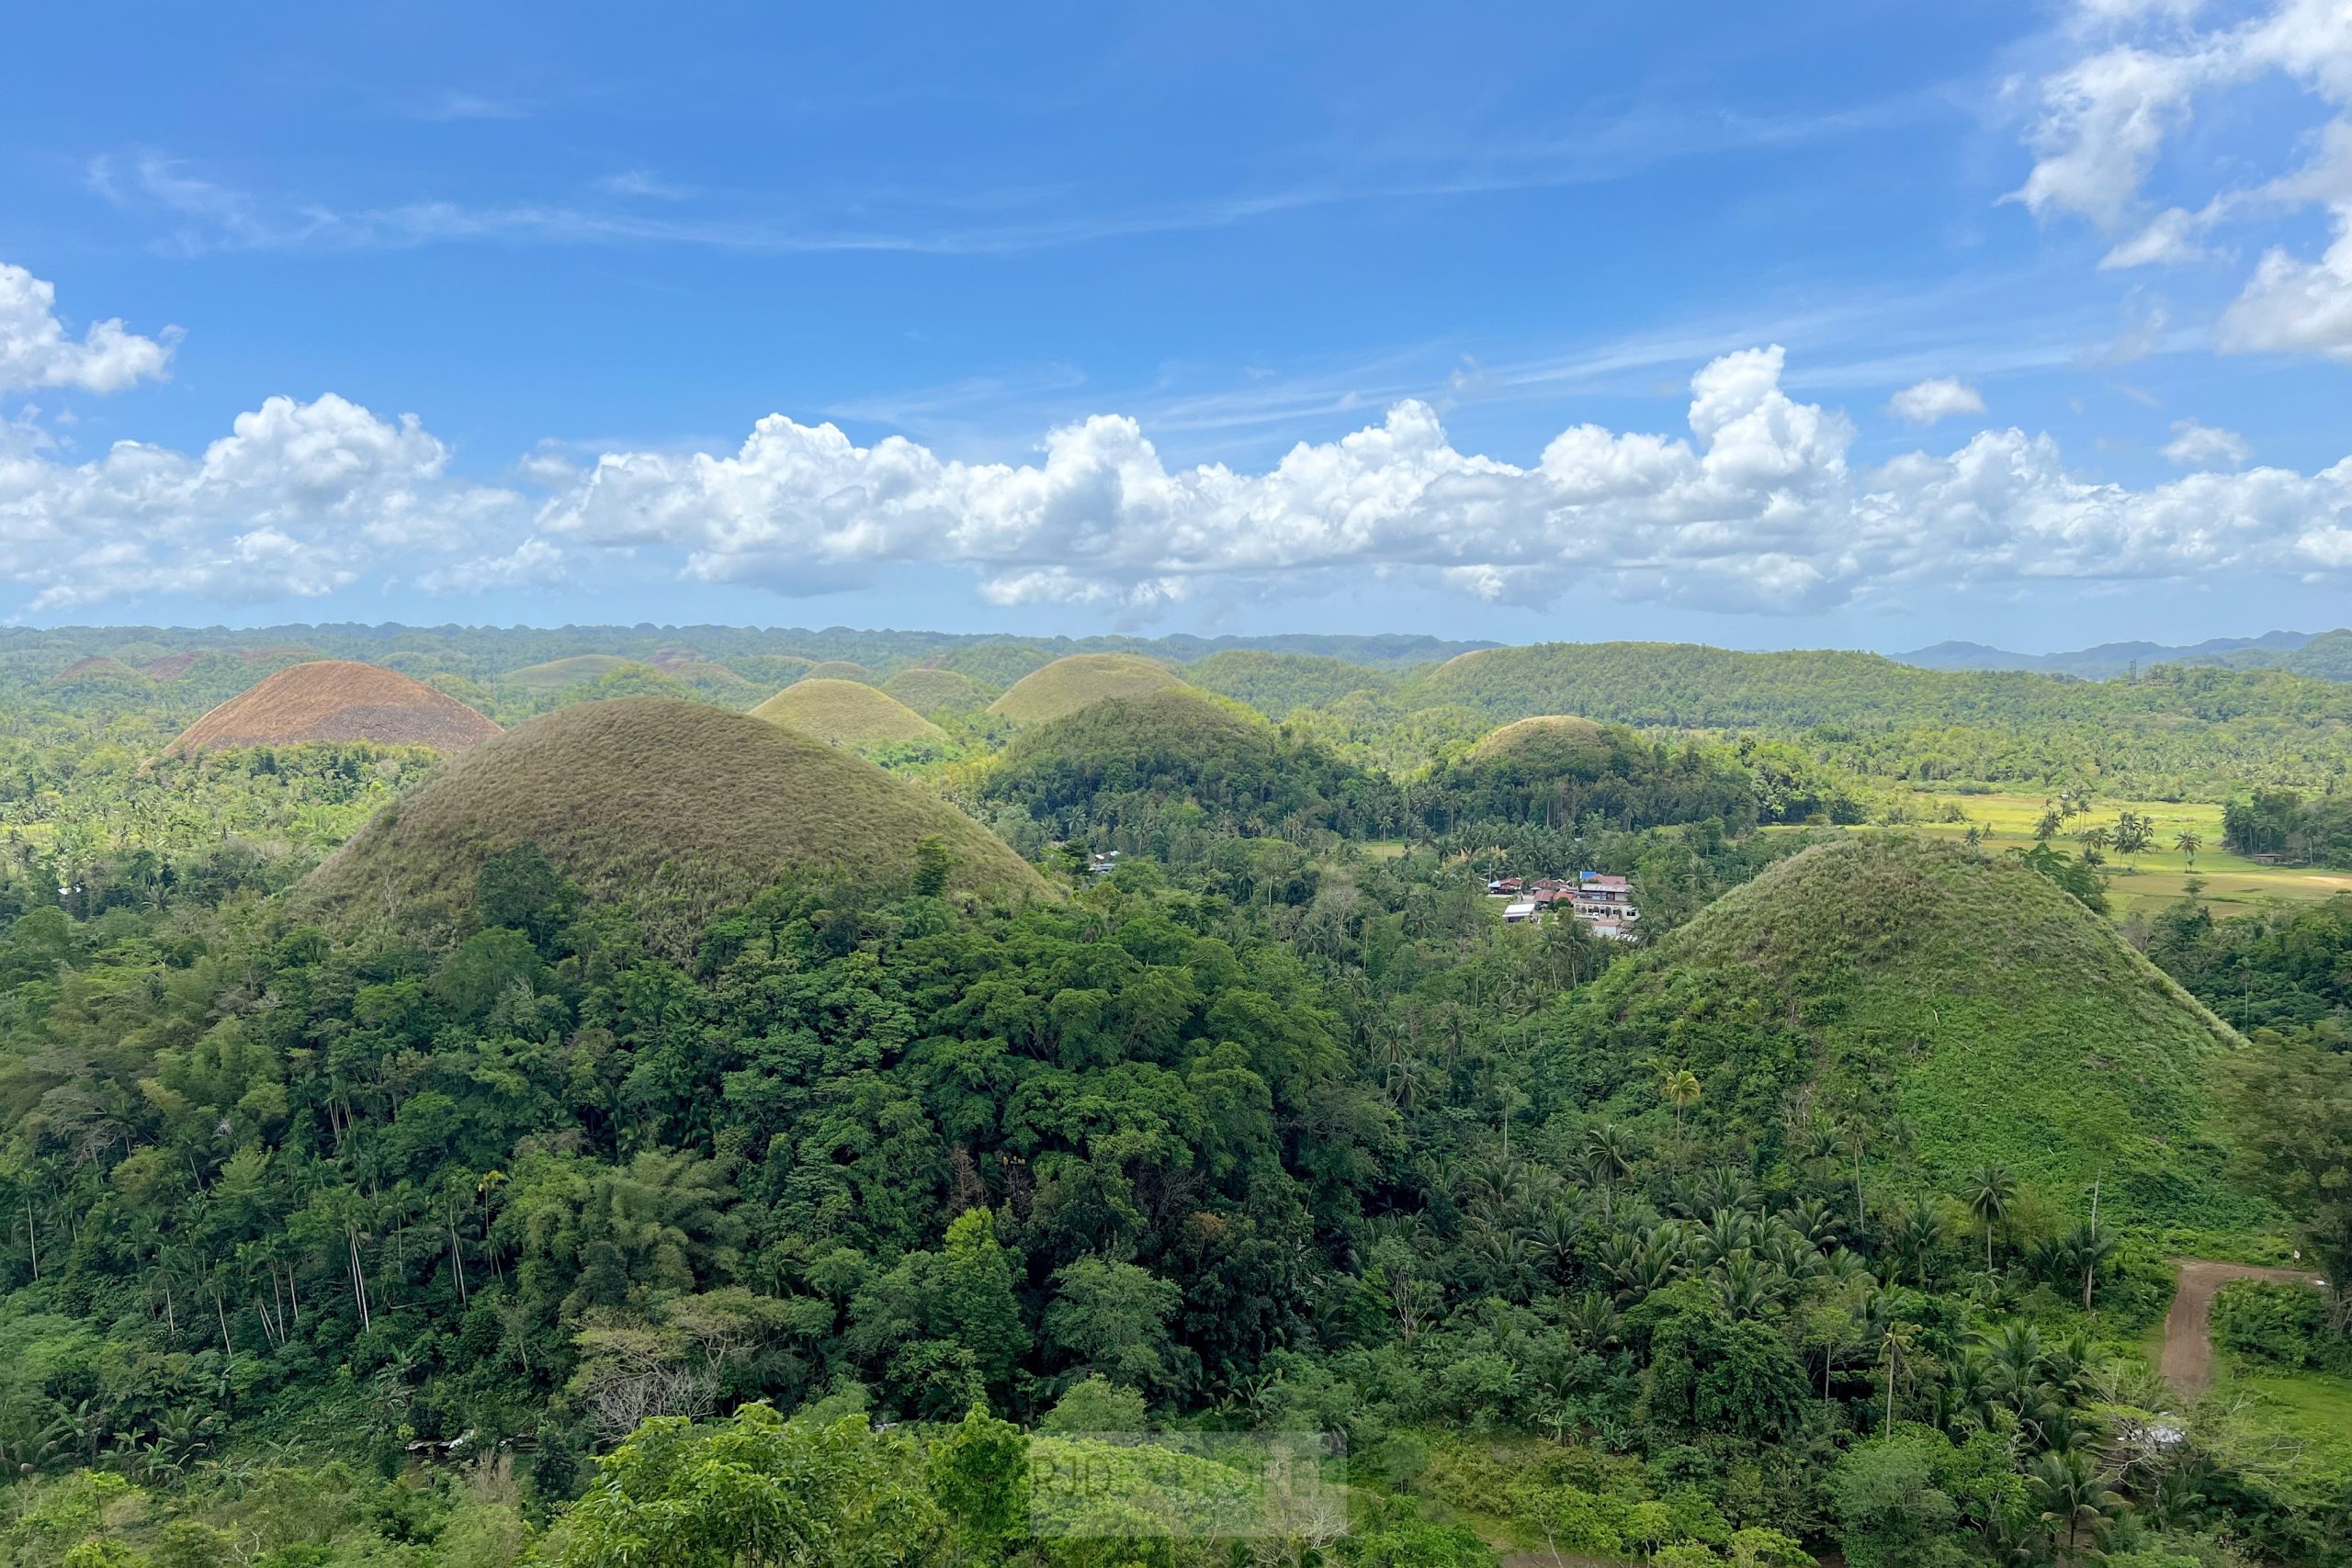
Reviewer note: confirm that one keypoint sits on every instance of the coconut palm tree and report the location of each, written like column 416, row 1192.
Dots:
column 2187, row 843
column 1609, row 1155
column 1992, row 1192
column 1894, row 1341
column 1679, row 1088
column 2074, row 1502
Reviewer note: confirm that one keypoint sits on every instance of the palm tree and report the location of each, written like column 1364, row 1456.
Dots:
column 2088, row 1248
column 1608, row 1155
column 1992, row 1192
column 2187, row 843
column 1917, row 1229
column 1894, row 1340
column 2073, row 1500
column 1679, row 1086
column 2015, row 1361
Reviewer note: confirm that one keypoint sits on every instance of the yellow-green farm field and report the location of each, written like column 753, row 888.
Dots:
column 2140, row 883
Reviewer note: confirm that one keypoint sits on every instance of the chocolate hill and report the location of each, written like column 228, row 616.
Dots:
column 334, row 699
column 675, row 807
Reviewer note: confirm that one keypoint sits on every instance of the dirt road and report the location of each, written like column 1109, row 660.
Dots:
column 2188, row 1361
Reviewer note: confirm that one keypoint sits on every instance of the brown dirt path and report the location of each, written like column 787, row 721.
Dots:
column 2187, row 1362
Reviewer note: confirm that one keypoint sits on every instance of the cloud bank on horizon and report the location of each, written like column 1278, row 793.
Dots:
column 1761, row 506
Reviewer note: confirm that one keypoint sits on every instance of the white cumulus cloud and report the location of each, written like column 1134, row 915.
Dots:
column 1940, row 396
column 2198, row 445
column 300, row 500
column 2102, row 123
column 35, row 349
column 2297, row 306
column 1758, row 508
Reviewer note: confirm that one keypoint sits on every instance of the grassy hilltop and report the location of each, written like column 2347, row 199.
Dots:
column 663, row 804
column 1960, row 1000
column 851, row 714
column 1068, row 685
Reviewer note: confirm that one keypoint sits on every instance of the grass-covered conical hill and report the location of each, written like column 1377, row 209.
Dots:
column 336, row 699
column 1172, row 739
column 1561, row 770
column 851, row 714
column 1068, row 685
column 1123, row 760
column 101, row 673
column 1548, row 740
column 677, row 808
column 1958, row 1008
column 931, row 691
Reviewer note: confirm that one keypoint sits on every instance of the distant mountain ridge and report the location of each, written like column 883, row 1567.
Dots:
column 2325, row 656
column 527, row 647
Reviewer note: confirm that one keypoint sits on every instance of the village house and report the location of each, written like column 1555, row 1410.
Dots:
column 1605, row 903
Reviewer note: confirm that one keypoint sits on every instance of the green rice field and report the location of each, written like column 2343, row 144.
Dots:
column 2156, row 876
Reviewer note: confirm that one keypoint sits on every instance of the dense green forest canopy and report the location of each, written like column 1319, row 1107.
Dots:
column 652, row 1134
column 2166, row 731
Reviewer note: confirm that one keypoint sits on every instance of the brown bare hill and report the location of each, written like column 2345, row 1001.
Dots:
column 333, row 699
column 678, row 809
column 851, row 714
column 1068, row 685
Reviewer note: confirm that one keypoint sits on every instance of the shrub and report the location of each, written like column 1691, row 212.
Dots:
column 2284, row 1325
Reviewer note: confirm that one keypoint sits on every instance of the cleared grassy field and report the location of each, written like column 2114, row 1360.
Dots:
column 2300, row 1422
column 2156, row 876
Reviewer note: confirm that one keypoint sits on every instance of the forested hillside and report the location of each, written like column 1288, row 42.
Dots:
column 655, row 1133
column 2170, row 730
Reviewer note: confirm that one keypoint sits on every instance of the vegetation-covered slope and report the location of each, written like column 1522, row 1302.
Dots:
column 2172, row 730
column 599, row 675
column 1956, row 1003
column 851, row 714
column 557, row 673
column 1068, row 685
column 673, row 807
column 1274, row 684
column 931, row 691
column 839, row 669
column 337, row 700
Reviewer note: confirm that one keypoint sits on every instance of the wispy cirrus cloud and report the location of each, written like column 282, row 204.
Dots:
column 452, row 107
column 203, row 212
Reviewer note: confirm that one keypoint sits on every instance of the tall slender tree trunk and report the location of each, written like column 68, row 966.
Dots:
column 358, row 1278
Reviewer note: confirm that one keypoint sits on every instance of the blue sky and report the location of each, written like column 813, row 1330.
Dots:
column 1868, row 326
